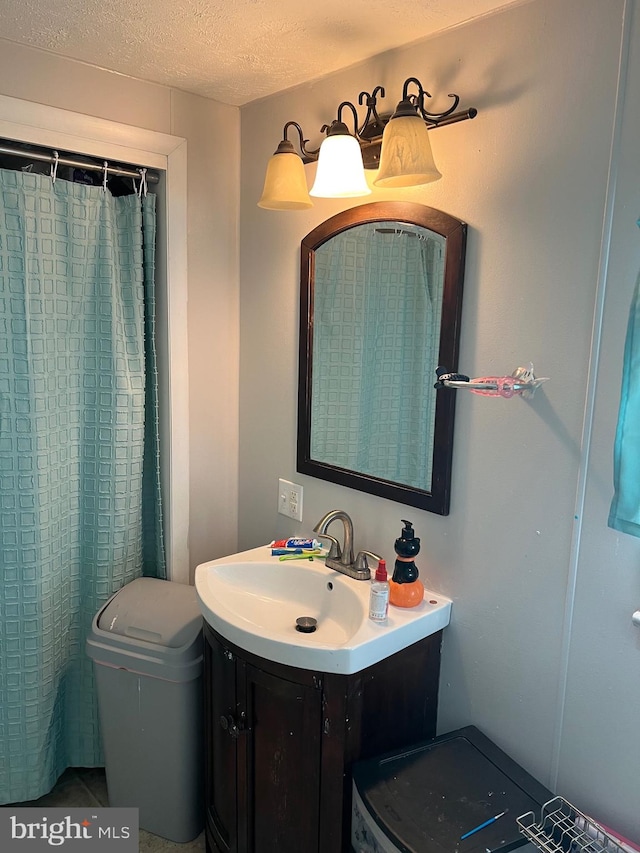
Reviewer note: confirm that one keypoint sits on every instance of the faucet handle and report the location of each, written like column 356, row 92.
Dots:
column 335, row 552
column 361, row 559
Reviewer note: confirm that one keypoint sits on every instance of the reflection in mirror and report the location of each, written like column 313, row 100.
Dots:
column 376, row 327
column 381, row 289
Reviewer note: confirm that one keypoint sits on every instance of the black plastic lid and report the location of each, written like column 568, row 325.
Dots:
column 426, row 797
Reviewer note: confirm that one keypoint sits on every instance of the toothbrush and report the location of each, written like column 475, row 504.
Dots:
column 305, row 555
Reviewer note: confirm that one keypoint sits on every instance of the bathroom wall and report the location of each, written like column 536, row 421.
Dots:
column 600, row 735
column 212, row 134
column 530, row 176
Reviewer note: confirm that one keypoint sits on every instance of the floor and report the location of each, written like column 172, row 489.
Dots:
column 87, row 787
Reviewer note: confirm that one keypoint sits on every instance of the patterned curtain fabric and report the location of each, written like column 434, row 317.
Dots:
column 80, row 512
column 376, row 334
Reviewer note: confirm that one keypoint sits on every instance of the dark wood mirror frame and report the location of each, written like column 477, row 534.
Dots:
column 454, row 231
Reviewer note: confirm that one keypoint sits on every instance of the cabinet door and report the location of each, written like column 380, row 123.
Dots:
column 221, row 744
column 282, row 763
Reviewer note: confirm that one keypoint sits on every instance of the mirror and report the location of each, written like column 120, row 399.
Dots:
column 380, row 306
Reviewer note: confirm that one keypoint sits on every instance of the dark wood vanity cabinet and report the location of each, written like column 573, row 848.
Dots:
column 280, row 742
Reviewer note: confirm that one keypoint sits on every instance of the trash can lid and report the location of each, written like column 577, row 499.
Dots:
column 430, row 796
column 154, row 610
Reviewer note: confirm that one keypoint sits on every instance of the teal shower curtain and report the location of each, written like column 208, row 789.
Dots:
column 80, row 510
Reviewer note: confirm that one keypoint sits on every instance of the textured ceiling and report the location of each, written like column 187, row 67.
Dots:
column 231, row 50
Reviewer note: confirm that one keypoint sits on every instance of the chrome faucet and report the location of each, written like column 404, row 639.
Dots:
column 341, row 559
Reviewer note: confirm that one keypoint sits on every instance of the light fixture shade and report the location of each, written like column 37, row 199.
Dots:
column 285, row 183
column 340, row 171
column 406, row 159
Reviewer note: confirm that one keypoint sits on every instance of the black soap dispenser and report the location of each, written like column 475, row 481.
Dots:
column 405, row 590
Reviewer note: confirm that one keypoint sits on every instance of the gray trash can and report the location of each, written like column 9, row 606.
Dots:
column 146, row 644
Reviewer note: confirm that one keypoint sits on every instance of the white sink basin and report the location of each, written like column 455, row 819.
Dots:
column 253, row 600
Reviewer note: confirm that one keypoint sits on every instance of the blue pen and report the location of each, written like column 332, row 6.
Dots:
column 482, row 825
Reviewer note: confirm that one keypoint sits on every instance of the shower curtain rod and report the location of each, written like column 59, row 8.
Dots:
column 32, row 154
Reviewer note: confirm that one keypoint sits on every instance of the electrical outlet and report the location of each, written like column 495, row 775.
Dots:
column 290, row 499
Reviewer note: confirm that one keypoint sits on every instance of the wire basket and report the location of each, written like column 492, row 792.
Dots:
column 564, row 829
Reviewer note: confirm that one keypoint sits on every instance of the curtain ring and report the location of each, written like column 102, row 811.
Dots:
column 54, row 167
column 143, row 183
column 104, row 177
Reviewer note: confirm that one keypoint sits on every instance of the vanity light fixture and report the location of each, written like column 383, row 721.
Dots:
column 340, row 171
column 285, row 184
column 397, row 144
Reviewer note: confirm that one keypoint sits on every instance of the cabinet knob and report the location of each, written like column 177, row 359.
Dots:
column 230, row 725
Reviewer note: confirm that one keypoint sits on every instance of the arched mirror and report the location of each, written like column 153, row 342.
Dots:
column 380, row 306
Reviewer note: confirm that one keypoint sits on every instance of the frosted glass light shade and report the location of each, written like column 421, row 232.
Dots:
column 285, row 184
column 406, row 159
column 340, row 171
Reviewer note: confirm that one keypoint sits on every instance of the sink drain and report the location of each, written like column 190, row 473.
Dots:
column 306, row 624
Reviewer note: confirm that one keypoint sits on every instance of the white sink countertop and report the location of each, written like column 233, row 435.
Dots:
column 253, row 600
